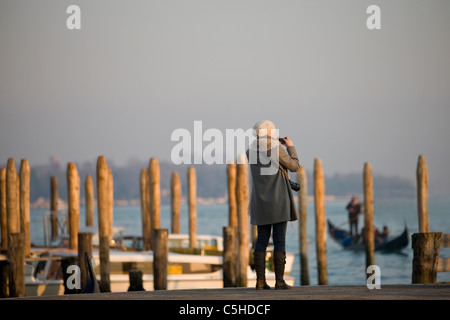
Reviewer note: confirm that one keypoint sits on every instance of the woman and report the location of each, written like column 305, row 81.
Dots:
column 271, row 201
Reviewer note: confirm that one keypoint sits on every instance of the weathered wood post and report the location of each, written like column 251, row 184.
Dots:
column 84, row 245
column 175, row 191
column 3, row 218
column 422, row 194
column 232, row 206
column 229, row 256
column 243, row 221
column 4, row 235
column 110, row 202
column 230, row 253
column 303, row 232
column 13, row 214
column 54, row 197
column 25, row 203
column 136, row 281
column 192, row 205
column 103, row 222
column 369, row 232
column 426, row 246
column 155, row 196
column 319, row 203
column 16, row 239
column 145, row 210
column 89, row 200
column 73, row 185
column 161, row 257
column 18, row 197
column 16, row 258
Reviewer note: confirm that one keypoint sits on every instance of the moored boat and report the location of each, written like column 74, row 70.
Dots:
column 187, row 269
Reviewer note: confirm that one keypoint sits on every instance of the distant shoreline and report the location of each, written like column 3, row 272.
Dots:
column 43, row 203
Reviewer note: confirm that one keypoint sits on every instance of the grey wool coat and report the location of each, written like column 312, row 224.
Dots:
column 271, row 199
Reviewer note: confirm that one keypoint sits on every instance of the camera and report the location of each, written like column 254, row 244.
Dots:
column 281, row 140
column 294, row 185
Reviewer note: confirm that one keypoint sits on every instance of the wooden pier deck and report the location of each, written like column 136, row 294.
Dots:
column 244, row 303
column 326, row 292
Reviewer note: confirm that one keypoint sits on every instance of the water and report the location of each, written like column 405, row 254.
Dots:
column 344, row 267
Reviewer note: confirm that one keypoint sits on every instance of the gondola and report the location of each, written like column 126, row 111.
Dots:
column 389, row 244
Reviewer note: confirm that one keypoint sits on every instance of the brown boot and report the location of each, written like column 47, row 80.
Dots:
column 259, row 259
column 279, row 261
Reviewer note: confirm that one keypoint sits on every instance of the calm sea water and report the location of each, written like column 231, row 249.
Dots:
column 343, row 267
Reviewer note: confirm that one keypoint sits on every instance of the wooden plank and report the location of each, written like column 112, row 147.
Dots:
column 443, row 265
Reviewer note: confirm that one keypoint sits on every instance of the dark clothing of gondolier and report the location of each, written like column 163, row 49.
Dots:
column 354, row 211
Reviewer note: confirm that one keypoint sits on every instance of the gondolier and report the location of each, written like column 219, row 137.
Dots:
column 354, row 211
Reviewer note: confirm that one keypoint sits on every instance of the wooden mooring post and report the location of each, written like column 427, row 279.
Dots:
column 155, row 196
column 12, row 208
column 303, row 232
column 84, row 245
column 145, row 210
column 73, row 193
column 16, row 239
column 422, row 194
column 16, row 258
column 103, row 222
column 110, row 203
column 369, row 232
column 89, row 200
column 54, row 197
column 161, row 259
column 243, row 221
column 229, row 256
column 321, row 226
column 3, row 234
column 230, row 253
column 136, row 281
column 24, row 199
column 232, row 205
column 192, row 206
column 426, row 246
column 3, row 218
column 175, row 192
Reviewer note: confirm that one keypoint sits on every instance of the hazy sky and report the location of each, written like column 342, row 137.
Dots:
column 138, row 70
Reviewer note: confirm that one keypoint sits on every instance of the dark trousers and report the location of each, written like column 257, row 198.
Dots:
column 353, row 225
column 279, row 237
